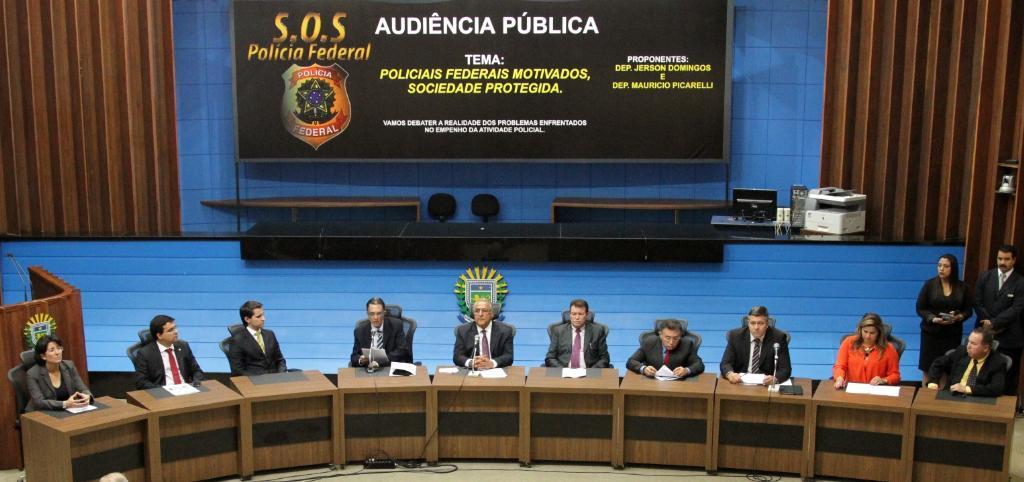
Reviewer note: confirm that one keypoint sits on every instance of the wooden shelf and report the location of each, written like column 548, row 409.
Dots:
column 675, row 205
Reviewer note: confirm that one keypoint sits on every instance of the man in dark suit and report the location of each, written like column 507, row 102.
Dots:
column 495, row 340
column 255, row 350
column 578, row 344
column 157, row 367
column 670, row 349
column 989, row 372
column 753, row 346
column 381, row 332
column 999, row 303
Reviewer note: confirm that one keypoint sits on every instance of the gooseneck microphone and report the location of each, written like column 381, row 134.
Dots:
column 21, row 274
column 476, row 349
column 775, row 370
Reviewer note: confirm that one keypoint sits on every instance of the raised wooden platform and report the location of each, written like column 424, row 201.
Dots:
column 318, row 202
column 674, row 205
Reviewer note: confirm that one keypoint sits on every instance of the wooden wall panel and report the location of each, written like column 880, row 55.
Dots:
column 923, row 106
column 88, row 142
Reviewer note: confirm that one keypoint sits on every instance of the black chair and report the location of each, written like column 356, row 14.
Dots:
column 225, row 344
column 771, row 323
column 485, row 206
column 441, row 206
column 18, row 376
column 133, row 350
column 694, row 337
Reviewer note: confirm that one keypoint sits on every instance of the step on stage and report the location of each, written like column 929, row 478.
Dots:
column 404, row 241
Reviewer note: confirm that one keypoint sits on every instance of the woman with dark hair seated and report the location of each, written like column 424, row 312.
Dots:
column 53, row 383
column 866, row 357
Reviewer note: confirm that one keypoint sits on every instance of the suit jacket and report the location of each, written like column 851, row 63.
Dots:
column 650, row 353
column 737, row 353
column 595, row 345
column 989, row 382
column 246, row 358
column 1002, row 306
column 149, row 371
column 500, row 343
column 394, row 341
column 41, row 392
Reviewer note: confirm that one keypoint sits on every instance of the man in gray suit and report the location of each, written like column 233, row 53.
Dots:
column 670, row 349
column 495, row 340
column 578, row 344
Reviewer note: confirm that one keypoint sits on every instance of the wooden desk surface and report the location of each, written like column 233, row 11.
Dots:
column 317, row 202
column 117, row 412
column 314, row 384
column 1002, row 412
column 760, row 393
column 217, row 396
column 349, row 380
column 701, row 385
column 828, row 395
column 550, row 380
column 515, row 380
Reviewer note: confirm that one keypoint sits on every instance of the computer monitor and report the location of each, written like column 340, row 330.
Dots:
column 754, row 204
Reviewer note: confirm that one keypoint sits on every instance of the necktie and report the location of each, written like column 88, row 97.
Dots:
column 667, row 353
column 485, row 345
column 574, row 362
column 377, row 340
column 259, row 341
column 755, row 360
column 1002, row 279
column 973, row 374
column 174, row 366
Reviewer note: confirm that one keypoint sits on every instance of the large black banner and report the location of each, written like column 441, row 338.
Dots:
column 587, row 80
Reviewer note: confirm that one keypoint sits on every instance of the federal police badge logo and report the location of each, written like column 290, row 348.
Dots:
column 480, row 283
column 315, row 107
column 38, row 326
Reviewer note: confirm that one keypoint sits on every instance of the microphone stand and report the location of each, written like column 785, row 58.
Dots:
column 774, row 387
column 472, row 363
column 18, row 268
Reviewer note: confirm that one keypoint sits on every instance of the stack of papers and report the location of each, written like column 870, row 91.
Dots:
column 752, row 378
column 181, row 389
column 403, row 369
column 448, row 370
column 493, row 373
column 665, row 373
column 81, row 409
column 869, row 389
column 574, row 372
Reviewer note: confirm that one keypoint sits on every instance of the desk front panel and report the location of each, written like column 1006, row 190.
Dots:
column 962, row 439
column 765, row 434
column 292, row 433
column 478, row 424
column 571, row 426
column 203, row 444
column 387, row 422
column 667, row 430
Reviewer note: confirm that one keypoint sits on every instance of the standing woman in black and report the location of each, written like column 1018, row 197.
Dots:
column 943, row 305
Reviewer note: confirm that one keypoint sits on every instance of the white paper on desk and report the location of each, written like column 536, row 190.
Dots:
column 408, row 367
column 181, row 389
column 448, row 370
column 81, row 409
column 493, row 373
column 665, row 374
column 752, row 378
column 574, row 372
column 869, row 389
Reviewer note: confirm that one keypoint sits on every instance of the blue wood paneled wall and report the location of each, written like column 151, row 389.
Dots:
column 816, row 291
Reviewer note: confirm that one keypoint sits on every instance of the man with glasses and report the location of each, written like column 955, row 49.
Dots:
column 381, row 332
column 668, row 349
column 485, row 343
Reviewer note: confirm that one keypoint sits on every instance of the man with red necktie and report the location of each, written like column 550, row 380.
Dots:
column 496, row 340
column 166, row 360
column 580, row 343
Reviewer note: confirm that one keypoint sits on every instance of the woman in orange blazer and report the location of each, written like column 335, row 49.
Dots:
column 866, row 357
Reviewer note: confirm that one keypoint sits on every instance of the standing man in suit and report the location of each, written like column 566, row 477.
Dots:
column 754, row 346
column 166, row 360
column 495, row 340
column 999, row 303
column 971, row 369
column 668, row 349
column 381, row 332
column 254, row 350
column 578, row 344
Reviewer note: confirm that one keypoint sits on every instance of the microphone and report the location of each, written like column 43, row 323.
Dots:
column 775, row 370
column 476, row 349
column 21, row 274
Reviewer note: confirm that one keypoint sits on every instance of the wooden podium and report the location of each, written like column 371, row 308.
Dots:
column 53, row 297
column 384, row 416
column 60, row 445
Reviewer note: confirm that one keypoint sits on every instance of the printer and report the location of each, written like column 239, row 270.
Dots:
column 835, row 211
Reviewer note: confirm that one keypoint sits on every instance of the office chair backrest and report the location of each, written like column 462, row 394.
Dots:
column 565, row 316
column 441, row 206
column 19, row 382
